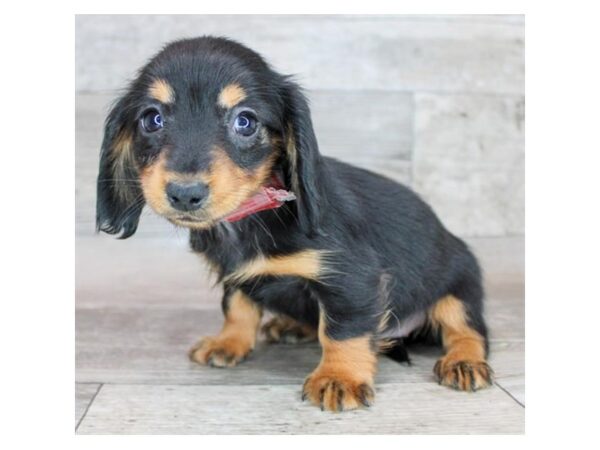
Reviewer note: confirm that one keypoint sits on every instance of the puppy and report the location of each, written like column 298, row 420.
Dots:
column 214, row 140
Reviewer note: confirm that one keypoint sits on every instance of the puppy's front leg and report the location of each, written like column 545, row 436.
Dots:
column 237, row 337
column 343, row 380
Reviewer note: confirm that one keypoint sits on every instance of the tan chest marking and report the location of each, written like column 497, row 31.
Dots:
column 304, row 264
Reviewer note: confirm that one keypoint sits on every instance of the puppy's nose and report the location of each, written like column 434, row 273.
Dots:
column 186, row 197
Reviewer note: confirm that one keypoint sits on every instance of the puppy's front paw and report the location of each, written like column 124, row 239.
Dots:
column 219, row 352
column 463, row 375
column 337, row 392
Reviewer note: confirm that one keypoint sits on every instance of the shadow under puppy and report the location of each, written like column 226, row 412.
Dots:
column 211, row 138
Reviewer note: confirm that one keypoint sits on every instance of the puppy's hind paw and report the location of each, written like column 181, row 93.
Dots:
column 283, row 330
column 464, row 375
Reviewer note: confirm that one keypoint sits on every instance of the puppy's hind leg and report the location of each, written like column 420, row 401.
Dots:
column 284, row 330
column 463, row 334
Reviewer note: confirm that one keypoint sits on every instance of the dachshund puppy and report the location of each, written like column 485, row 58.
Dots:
column 214, row 140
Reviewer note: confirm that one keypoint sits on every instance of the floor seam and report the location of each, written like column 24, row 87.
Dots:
column 509, row 394
column 88, row 406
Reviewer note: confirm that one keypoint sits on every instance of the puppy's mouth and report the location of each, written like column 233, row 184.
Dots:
column 189, row 219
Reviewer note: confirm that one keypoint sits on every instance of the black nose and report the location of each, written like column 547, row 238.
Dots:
column 186, row 197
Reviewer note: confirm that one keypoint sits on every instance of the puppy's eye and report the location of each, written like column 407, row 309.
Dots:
column 245, row 124
column 152, row 121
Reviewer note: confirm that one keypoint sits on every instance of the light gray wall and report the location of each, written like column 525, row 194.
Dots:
column 436, row 102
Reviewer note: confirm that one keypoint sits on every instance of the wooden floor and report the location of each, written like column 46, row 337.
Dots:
column 142, row 302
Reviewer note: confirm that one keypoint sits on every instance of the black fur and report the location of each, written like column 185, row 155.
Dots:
column 114, row 212
column 378, row 231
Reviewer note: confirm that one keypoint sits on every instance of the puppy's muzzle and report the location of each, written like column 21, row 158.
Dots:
column 187, row 197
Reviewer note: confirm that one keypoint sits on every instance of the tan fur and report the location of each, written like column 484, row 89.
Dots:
column 229, row 186
column 231, row 95
column 237, row 337
column 284, row 329
column 344, row 378
column 121, row 156
column 154, row 179
column 162, row 91
column 464, row 366
column 275, row 141
column 305, row 264
column 292, row 156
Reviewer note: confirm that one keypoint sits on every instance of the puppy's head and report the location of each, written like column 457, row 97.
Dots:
column 199, row 131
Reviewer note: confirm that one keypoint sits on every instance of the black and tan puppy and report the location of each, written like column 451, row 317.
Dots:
column 211, row 138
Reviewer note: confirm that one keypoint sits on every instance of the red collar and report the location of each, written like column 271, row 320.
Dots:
column 270, row 196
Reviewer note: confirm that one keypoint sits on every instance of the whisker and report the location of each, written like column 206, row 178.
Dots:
column 260, row 222
column 131, row 209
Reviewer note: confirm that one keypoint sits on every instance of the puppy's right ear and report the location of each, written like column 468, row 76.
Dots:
column 119, row 200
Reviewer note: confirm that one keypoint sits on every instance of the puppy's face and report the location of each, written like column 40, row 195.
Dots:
column 199, row 131
column 205, row 138
column 203, row 147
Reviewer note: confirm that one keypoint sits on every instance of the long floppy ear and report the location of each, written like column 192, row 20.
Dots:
column 119, row 200
column 304, row 160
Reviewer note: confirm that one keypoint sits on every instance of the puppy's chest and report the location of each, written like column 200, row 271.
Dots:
column 281, row 280
column 291, row 296
column 281, row 284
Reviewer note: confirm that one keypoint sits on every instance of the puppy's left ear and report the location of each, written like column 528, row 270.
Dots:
column 304, row 168
column 119, row 200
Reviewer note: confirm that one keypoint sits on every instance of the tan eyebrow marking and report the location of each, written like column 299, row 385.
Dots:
column 161, row 91
column 231, row 95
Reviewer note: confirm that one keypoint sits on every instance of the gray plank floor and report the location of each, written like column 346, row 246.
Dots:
column 142, row 302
